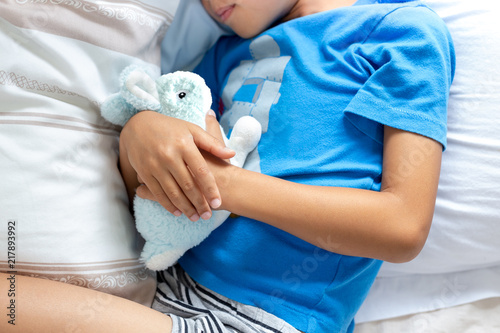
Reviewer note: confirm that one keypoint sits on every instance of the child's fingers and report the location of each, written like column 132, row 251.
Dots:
column 182, row 198
column 152, row 190
column 143, row 192
column 213, row 126
column 167, row 193
column 205, row 182
column 188, row 196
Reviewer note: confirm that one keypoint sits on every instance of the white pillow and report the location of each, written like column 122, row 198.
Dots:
column 60, row 188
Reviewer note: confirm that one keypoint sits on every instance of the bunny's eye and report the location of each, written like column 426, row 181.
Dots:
column 181, row 94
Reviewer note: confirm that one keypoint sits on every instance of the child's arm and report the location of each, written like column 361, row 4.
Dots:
column 164, row 153
column 391, row 225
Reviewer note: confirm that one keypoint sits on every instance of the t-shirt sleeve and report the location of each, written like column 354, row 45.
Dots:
column 412, row 66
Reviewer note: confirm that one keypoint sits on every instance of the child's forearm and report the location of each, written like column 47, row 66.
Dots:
column 350, row 221
column 391, row 225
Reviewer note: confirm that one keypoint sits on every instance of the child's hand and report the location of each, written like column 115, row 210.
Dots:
column 164, row 151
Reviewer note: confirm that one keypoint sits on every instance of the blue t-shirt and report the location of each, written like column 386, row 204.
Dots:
column 322, row 86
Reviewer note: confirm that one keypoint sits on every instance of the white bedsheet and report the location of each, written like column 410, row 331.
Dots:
column 476, row 317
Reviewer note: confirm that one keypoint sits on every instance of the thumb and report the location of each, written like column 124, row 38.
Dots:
column 212, row 125
column 212, row 140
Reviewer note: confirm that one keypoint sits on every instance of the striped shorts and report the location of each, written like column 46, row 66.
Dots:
column 194, row 308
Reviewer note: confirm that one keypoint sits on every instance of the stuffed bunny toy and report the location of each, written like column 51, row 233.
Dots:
column 182, row 95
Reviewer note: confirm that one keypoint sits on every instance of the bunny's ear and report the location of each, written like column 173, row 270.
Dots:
column 139, row 89
column 142, row 86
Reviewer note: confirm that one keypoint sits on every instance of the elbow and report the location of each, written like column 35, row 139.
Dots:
column 408, row 242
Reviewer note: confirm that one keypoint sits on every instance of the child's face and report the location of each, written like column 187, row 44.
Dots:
column 248, row 18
